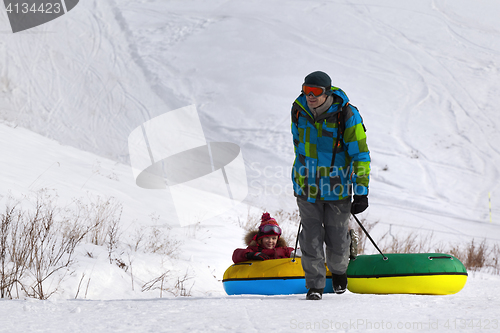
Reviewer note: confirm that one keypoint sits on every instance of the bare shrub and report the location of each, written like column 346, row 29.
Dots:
column 494, row 262
column 473, row 256
column 121, row 264
column 112, row 237
column 476, row 255
column 157, row 284
column 102, row 216
column 137, row 239
column 52, row 243
column 35, row 244
column 252, row 222
column 155, row 240
column 14, row 251
column 80, row 285
column 38, row 241
column 361, row 234
column 180, row 288
column 398, row 245
column 160, row 242
column 411, row 243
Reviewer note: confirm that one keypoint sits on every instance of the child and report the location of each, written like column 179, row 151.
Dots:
column 264, row 243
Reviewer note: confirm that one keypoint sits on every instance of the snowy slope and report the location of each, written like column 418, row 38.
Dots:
column 424, row 76
column 423, row 99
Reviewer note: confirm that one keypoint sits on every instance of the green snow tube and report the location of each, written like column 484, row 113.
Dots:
column 406, row 273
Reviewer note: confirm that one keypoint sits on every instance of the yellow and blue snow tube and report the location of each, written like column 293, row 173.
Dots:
column 269, row 277
column 406, row 273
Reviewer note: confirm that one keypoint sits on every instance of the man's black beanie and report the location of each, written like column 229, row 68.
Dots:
column 321, row 79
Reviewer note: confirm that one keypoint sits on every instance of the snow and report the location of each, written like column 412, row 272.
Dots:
column 474, row 309
column 423, row 74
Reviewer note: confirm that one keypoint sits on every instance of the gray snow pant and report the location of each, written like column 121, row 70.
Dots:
column 328, row 222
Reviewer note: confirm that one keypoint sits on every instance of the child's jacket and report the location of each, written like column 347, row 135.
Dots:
column 280, row 251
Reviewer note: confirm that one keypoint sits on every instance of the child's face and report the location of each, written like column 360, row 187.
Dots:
column 269, row 242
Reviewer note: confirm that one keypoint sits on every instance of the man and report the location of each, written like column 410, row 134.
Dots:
column 332, row 162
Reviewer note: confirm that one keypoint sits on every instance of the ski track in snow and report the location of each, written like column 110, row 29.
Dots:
column 273, row 136
column 427, row 65
column 90, row 98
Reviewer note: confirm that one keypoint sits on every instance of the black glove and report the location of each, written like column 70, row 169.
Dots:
column 359, row 204
column 257, row 256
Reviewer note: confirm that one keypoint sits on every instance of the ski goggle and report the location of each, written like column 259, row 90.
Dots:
column 269, row 228
column 316, row 91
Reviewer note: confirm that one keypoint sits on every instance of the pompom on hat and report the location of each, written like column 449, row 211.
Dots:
column 267, row 219
column 268, row 227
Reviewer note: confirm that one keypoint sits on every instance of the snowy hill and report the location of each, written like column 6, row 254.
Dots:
column 424, row 76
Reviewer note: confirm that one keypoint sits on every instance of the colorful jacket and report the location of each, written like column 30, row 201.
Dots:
column 280, row 251
column 314, row 178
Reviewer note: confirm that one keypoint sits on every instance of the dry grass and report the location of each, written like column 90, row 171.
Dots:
column 35, row 246
column 38, row 241
column 361, row 234
column 475, row 256
column 180, row 287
